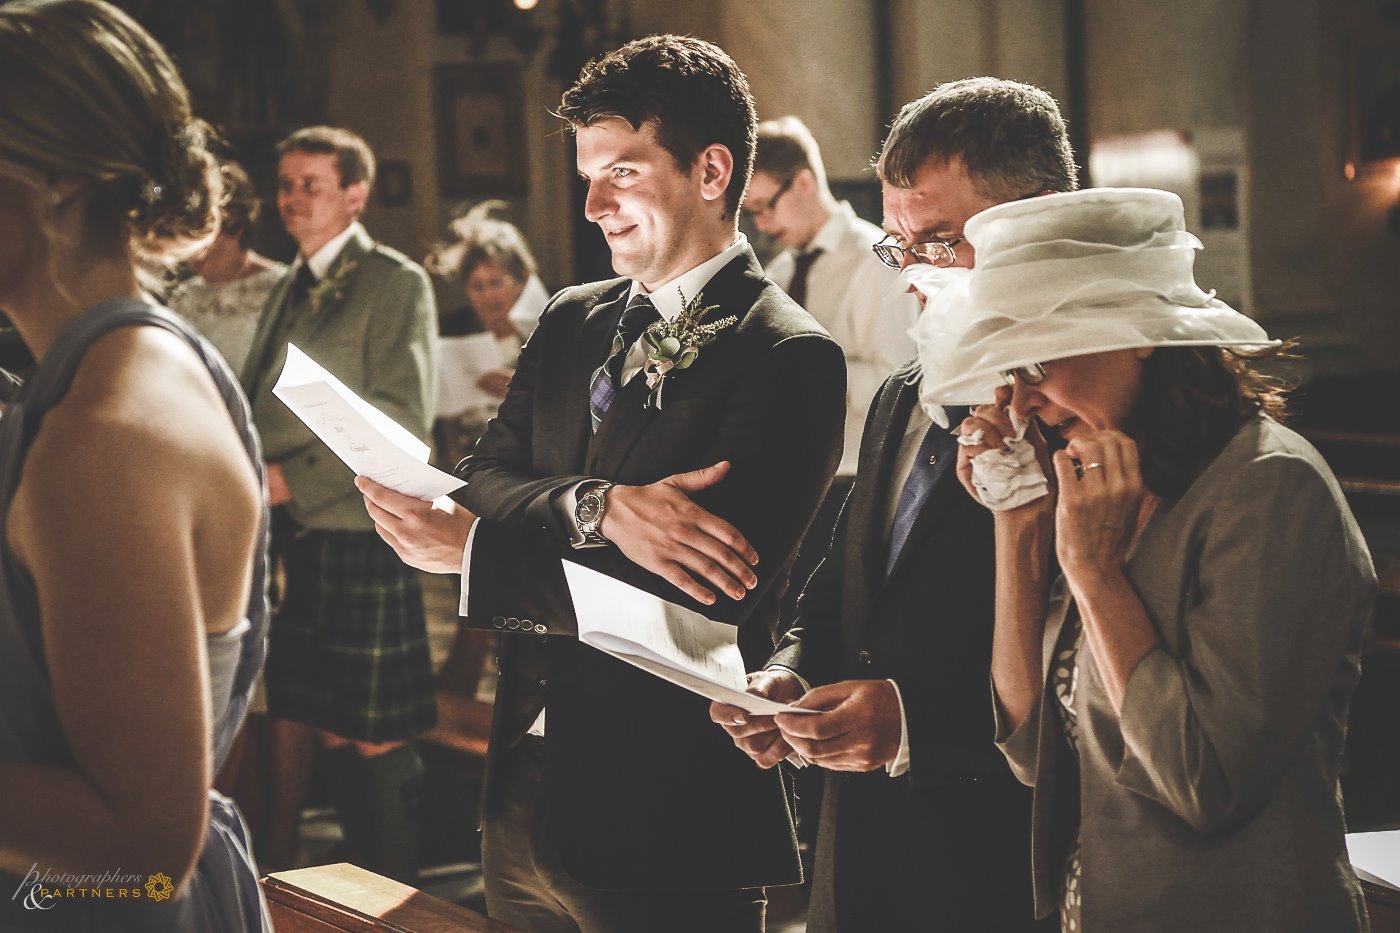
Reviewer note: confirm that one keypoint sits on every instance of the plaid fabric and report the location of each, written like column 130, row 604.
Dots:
column 607, row 379
column 348, row 649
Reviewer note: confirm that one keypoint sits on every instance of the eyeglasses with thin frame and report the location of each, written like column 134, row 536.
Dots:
column 941, row 253
column 1032, row 374
column 767, row 209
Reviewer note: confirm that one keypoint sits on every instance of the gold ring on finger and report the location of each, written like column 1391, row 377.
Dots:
column 1092, row 466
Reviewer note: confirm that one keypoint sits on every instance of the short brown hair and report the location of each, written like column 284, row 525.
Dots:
column 1009, row 136
column 786, row 147
column 689, row 89
column 354, row 159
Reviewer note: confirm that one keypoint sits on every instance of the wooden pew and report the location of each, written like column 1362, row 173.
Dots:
column 344, row 897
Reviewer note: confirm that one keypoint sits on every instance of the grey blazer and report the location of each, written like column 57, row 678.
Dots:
column 1212, row 802
column 377, row 333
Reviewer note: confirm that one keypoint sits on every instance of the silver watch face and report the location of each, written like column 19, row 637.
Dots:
column 590, row 507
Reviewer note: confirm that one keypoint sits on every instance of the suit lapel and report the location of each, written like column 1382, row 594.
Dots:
column 734, row 289
column 892, row 417
column 945, row 492
column 338, row 282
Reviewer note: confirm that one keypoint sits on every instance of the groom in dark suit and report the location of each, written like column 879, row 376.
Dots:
column 922, row 824
column 612, row 804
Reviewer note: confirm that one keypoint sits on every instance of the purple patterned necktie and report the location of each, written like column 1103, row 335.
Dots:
column 607, row 379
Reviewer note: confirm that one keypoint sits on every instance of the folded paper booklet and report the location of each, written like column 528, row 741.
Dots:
column 664, row 639
column 368, row 441
column 1376, row 857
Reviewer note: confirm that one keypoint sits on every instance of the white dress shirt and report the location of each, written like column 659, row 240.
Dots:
column 865, row 306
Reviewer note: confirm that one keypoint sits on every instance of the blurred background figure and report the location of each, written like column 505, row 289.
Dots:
column 827, row 266
column 132, row 583
column 231, row 282
column 488, row 258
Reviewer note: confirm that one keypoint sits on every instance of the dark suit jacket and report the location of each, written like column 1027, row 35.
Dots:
column 642, row 790
column 951, row 837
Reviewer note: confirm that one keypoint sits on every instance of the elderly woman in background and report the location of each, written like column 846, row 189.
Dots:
column 231, row 282
column 1178, row 694
column 496, row 269
column 132, row 603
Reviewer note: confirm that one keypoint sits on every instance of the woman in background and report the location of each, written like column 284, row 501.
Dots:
column 225, row 296
column 132, row 608
column 1180, row 614
column 496, row 269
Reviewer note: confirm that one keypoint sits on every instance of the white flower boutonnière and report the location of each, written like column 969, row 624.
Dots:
column 332, row 287
column 676, row 344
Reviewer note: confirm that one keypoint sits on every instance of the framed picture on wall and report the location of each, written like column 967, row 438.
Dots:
column 479, row 114
column 1373, row 98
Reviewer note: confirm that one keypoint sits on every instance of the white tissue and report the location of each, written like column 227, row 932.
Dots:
column 1007, row 478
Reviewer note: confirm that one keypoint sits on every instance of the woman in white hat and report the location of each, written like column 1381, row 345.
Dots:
column 1181, row 592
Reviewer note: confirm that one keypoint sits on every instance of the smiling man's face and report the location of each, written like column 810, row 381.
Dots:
column 647, row 206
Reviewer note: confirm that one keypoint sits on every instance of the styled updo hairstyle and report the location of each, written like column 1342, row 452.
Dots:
column 85, row 92
column 480, row 236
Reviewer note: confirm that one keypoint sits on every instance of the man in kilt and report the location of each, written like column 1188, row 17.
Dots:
column 348, row 650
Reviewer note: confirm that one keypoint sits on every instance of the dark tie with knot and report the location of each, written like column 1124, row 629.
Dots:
column 936, row 454
column 607, row 379
column 303, row 283
column 797, row 288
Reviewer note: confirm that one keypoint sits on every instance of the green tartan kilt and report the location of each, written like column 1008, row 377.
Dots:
column 348, row 647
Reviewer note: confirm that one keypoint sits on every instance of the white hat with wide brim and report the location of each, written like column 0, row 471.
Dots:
column 1064, row 275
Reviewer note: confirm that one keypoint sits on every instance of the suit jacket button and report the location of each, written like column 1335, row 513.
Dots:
column 540, row 629
column 512, row 624
column 543, row 683
column 863, row 657
column 498, row 621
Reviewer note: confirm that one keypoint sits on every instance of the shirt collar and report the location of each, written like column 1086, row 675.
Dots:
column 828, row 238
column 320, row 261
column 670, row 297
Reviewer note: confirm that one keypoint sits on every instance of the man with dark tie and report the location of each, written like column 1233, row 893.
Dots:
column 348, row 649
column 922, row 824
column 827, row 267
column 685, row 463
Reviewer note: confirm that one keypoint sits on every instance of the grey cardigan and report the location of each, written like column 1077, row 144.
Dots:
column 1212, row 802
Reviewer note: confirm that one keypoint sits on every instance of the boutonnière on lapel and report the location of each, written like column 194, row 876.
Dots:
column 332, row 287
column 676, row 344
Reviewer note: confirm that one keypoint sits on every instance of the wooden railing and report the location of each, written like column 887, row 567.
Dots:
column 344, row 897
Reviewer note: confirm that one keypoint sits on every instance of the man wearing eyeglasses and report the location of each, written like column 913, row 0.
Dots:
column 922, row 825
column 827, row 267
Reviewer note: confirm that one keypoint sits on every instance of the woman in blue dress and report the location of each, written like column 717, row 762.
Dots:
column 132, row 606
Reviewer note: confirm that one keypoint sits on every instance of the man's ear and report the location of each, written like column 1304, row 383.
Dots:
column 716, row 164
column 358, row 193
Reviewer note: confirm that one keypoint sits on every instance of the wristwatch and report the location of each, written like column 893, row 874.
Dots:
column 588, row 513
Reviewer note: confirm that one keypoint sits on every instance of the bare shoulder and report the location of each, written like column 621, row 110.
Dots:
column 141, row 388
column 142, row 427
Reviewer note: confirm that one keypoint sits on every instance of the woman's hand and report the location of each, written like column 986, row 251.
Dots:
column 994, row 423
column 1100, row 503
